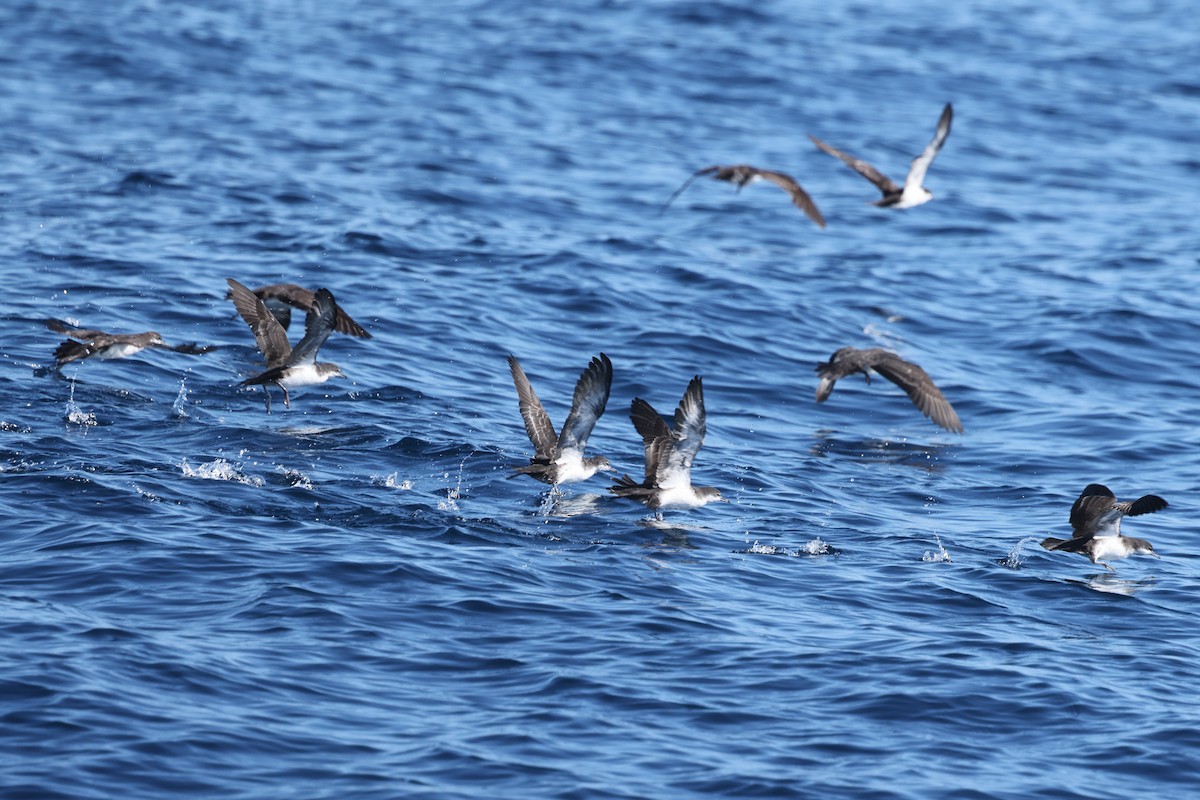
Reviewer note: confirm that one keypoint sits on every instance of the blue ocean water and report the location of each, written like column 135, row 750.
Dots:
column 350, row 598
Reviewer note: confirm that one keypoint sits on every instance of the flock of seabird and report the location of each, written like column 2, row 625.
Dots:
column 558, row 458
column 1095, row 516
column 912, row 193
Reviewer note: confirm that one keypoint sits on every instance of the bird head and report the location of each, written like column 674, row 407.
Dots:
column 1141, row 547
column 601, row 464
column 330, row 370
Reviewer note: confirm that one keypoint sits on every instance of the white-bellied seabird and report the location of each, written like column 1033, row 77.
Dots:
column 919, row 387
column 281, row 298
column 669, row 454
column 84, row 343
column 912, row 193
column 741, row 174
column 558, row 458
column 287, row 368
column 1096, row 526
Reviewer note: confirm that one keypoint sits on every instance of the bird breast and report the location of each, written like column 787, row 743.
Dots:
column 119, row 350
column 302, row 375
column 914, row 196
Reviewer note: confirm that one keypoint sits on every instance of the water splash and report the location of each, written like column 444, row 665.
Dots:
column 549, row 501
column 818, row 547
column 296, row 478
column 392, row 481
column 937, row 555
column 455, row 492
column 1013, row 559
column 75, row 416
column 219, row 470
column 814, row 547
column 179, row 407
column 451, row 501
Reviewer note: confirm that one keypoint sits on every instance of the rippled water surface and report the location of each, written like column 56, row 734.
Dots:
column 350, row 598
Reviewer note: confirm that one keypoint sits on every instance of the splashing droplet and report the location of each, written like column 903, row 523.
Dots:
column 74, row 415
column 179, row 407
column 455, row 492
column 937, row 555
column 1013, row 559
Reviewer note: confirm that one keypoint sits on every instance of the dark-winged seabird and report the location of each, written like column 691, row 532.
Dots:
column 741, row 174
column 669, row 454
column 288, row 368
column 558, row 458
column 912, row 193
column 281, row 298
column 1096, row 526
column 85, row 343
column 919, row 387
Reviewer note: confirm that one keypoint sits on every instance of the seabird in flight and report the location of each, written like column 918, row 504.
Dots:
column 669, row 454
column 288, row 368
column 1096, row 526
column 919, row 387
column 281, row 298
column 558, row 458
column 912, row 193
column 741, row 174
column 84, row 343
